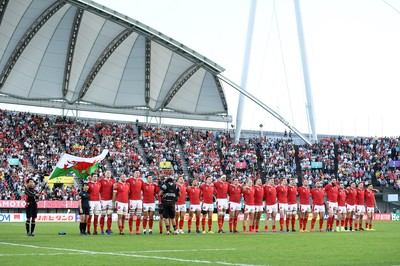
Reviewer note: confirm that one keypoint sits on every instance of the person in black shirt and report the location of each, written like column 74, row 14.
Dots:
column 161, row 181
column 84, row 208
column 32, row 196
column 169, row 194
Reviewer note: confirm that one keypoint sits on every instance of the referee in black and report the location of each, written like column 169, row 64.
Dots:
column 160, row 205
column 84, row 208
column 31, row 207
column 169, row 194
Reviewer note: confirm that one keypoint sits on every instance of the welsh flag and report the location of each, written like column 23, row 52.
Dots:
column 82, row 167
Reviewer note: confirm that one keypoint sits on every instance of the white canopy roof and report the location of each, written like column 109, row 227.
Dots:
column 76, row 54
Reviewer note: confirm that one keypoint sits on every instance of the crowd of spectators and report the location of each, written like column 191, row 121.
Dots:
column 200, row 150
column 161, row 146
column 32, row 144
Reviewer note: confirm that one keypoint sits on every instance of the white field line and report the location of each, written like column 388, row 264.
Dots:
column 179, row 250
column 124, row 255
column 38, row 254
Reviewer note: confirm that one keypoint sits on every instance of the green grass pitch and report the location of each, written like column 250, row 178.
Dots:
column 347, row 248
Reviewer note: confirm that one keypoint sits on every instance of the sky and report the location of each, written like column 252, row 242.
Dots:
column 352, row 47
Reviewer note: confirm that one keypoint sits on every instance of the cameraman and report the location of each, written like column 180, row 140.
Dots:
column 169, row 194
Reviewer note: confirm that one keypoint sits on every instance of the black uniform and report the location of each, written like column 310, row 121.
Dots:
column 160, row 205
column 169, row 197
column 84, row 196
column 31, row 210
column 31, row 203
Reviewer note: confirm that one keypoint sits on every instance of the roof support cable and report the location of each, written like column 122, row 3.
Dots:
column 284, row 64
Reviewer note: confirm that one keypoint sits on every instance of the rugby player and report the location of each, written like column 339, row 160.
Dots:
column 120, row 201
column 235, row 195
column 106, row 192
column 94, row 203
column 304, row 195
column 281, row 192
column 258, row 203
column 271, row 207
column 221, row 191
column 318, row 209
column 331, row 191
column 180, row 206
column 350, row 205
column 207, row 208
column 150, row 192
column 194, row 208
column 292, row 205
column 135, row 200
column 248, row 195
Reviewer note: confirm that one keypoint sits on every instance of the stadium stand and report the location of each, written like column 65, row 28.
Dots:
column 31, row 145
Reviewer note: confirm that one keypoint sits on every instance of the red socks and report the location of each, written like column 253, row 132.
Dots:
column 130, row 221
column 102, row 223
column 144, row 223
column 189, row 224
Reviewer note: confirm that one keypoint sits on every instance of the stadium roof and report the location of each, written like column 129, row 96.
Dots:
column 76, row 54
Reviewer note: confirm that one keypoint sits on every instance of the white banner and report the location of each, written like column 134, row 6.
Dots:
column 42, row 217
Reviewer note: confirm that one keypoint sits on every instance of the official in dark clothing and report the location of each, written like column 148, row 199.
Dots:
column 169, row 194
column 32, row 196
column 161, row 181
column 84, row 208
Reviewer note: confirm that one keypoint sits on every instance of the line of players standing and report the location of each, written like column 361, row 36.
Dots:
column 133, row 197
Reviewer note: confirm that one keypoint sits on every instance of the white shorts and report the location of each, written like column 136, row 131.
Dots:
column 360, row 209
column 332, row 206
column 106, row 204
column 350, row 208
column 149, row 207
column 305, row 208
column 318, row 208
column 194, row 207
column 249, row 208
column 234, row 206
column 122, row 208
column 283, row 207
column 207, row 207
column 292, row 207
column 180, row 208
column 342, row 209
column 258, row 208
column 107, row 207
column 135, row 204
column 370, row 210
column 271, row 208
column 222, row 204
column 95, row 207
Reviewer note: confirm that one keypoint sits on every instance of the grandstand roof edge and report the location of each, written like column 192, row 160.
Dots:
column 211, row 64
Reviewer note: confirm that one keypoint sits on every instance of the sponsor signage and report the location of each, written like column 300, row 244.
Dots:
column 43, row 204
column 42, row 217
column 55, row 217
column 382, row 216
column 395, row 217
